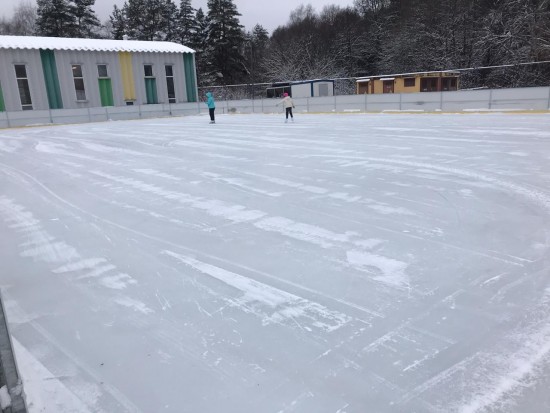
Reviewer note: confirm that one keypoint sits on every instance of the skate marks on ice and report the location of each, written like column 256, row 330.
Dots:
column 39, row 245
column 270, row 304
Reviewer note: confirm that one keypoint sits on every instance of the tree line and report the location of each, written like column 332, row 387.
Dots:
column 368, row 38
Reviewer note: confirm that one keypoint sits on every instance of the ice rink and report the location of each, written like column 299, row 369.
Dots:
column 353, row 263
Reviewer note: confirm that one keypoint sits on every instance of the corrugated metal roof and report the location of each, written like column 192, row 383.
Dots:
column 96, row 45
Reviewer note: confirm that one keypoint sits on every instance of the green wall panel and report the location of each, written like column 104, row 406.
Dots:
column 51, row 78
column 190, row 84
column 106, row 92
column 151, row 90
column 2, row 105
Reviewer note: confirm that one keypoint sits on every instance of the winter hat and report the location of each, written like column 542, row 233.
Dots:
column 285, row 94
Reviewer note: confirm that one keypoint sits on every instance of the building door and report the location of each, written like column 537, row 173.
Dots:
column 151, row 90
column 323, row 89
column 428, row 84
column 106, row 92
column 387, row 86
column 448, row 83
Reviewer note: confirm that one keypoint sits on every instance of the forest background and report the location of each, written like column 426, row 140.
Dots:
column 372, row 37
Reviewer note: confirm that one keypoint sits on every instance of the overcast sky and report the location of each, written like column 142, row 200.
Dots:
column 268, row 13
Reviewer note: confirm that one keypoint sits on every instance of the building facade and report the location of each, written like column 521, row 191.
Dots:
column 40, row 73
column 409, row 83
column 302, row 89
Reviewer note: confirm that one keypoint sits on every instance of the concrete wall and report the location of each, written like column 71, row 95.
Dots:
column 462, row 101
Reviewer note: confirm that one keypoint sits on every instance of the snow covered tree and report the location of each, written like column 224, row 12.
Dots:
column 148, row 19
column 225, row 42
column 55, row 18
column 256, row 49
column 87, row 23
column 23, row 22
column 186, row 23
column 118, row 22
column 199, row 42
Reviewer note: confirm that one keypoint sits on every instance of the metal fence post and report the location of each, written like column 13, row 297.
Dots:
column 8, row 119
column 89, row 115
column 366, row 99
column 400, row 101
column 490, row 98
column 548, row 99
column 9, row 374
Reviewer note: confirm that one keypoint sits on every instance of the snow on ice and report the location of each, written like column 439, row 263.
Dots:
column 341, row 263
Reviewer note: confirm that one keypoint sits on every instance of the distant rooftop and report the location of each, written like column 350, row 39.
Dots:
column 96, row 45
column 367, row 78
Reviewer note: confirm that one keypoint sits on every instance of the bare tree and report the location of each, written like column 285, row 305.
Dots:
column 23, row 22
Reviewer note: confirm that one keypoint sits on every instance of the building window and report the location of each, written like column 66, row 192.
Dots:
column 428, row 84
column 150, row 85
column 410, row 82
column 448, row 83
column 170, row 84
column 23, row 86
column 387, row 86
column 102, row 71
column 79, row 82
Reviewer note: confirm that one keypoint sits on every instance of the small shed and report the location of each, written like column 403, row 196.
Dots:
column 302, row 89
column 437, row 81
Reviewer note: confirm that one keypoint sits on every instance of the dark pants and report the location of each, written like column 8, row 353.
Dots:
column 211, row 111
column 289, row 111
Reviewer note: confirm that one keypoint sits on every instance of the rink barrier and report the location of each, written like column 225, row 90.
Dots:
column 9, row 375
column 485, row 100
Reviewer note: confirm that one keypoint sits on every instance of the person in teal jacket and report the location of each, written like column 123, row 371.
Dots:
column 211, row 106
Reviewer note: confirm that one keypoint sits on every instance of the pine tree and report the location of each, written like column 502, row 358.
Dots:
column 187, row 25
column 150, row 19
column 199, row 42
column 225, row 42
column 87, row 23
column 257, row 42
column 56, row 18
column 118, row 22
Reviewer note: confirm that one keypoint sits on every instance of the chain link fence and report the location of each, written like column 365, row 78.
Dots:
column 508, row 76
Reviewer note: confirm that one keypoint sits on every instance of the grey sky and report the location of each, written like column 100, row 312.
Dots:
column 269, row 14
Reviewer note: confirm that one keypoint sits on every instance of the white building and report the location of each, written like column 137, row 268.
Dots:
column 41, row 73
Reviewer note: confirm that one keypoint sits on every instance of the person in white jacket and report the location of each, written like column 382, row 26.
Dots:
column 288, row 104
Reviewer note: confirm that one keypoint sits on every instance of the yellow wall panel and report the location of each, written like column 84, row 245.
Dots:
column 127, row 73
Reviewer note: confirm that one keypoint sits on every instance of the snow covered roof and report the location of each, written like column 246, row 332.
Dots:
column 393, row 76
column 96, row 45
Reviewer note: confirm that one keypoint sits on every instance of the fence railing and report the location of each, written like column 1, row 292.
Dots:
column 535, row 98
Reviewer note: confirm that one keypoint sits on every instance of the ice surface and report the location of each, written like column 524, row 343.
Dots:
column 341, row 263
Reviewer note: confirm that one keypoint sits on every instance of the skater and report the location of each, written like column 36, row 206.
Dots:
column 288, row 104
column 211, row 106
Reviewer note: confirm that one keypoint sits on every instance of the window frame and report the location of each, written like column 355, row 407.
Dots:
column 152, row 75
column 81, row 79
column 170, row 85
column 407, row 81
column 106, row 71
column 23, row 82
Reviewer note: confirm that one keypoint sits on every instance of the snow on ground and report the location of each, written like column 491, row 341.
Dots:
column 341, row 263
